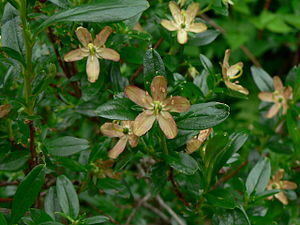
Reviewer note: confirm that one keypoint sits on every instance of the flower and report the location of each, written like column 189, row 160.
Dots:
column 103, row 168
column 197, row 141
column 156, row 107
column 232, row 72
column 277, row 183
column 280, row 97
column 4, row 110
column 94, row 50
column 122, row 131
column 183, row 21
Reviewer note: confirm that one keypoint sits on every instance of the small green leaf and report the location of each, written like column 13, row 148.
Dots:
column 96, row 219
column 204, row 38
column 65, row 146
column 293, row 127
column 207, row 64
column 51, row 204
column 7, row 52
column 13, row 161
column 67, row 197
column 262, row 79
column 27, row 192
column 183, row 163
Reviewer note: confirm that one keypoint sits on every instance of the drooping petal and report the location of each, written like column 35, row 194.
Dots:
column 169, row 25
column 282, row 198
column 182, row 36
column 159, row 88
column 266, row 96
column 84, row 36
column 167, row 124
column 102, row 37
column 108, row 53
column 133, row 140
column 273, row 110
column 92, row 68
column 112, row 130
column 278, row 83
column 225, row 65
column 118, row 148
column 288, row 92
column 143, row 122
column 278, row 176
column 177, row 104
column 138, row 96
column 191, row 12
column 288, row 185
column 236, row 87
column 193, row 145
column 197, row 27
column 176, row 12
column 235, row 70
column 75, row 55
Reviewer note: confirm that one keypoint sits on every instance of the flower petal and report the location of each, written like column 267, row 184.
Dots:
column 197, row 27
column 102, row 37
column 133, row 140
column 169, row 25
column 108, row 53
column 4, row 110
column 282, row 198
column 288, row 92
column 112, row 130
column 278, row 176
column 235, row 70
column 143, row 122
column 193, row 145
column 288, row 185
column 167, row 124
column 182, row 36
column 176, row 12
column 225, row 64
column 266, row 96
column 92, row 68
column 118, row 148
column 84, row 36
column 191, row 13
column 203, row 134
column 75, row 55
column 177, row 104
column 159, row 88
column 278, row 83
column 138, row 96
column 273, row 110
column 236, row 87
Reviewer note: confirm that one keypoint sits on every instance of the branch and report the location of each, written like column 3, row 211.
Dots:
column 6, row 199
column 156, row 211
column 3, row 184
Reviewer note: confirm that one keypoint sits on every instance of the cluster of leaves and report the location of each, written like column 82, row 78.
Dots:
column 54, row 163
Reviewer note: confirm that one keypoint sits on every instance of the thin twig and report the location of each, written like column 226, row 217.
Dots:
column 6, row 199
column 156, row 211
column 3, row 184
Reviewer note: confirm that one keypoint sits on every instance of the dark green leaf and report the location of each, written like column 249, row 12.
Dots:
column 230, row 217
column 204, row 38
column 207, row 64
column 293, row 127
column 262, row 79
column 96, row 219
column 118, row 81
column 51, row 204
column 158, row 177
column 39, row 216
column 2, row 220
column 27, row 192
column 183, row 163
column 221, row 198
column 7, row 52
column 13, row 161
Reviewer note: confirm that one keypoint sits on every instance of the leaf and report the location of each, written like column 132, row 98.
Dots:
column 183, row 163
column 207, row 64
column 221, row 198
column 293, row 127
column 262, row 79
column 67, row 197
column 117, row 109
column 103, row 11
column 159, row 177
column 13, row 161
column 118, row 81
column 259, row 177
column 51, row 204
column 153, row 66
column 230, row 217
column 202, row 116
column 204, row 38
column 27, row 192
column 96, row 219
column 39, row 216
column 65, row 146
column 7, row 52
column 2, row 220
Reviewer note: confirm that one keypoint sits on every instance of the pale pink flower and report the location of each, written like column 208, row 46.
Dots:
column 183, row 21
column 156, row 107
column 94, row 50
column 195, row 143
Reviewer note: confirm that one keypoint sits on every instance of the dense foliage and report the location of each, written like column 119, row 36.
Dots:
column 149, row 112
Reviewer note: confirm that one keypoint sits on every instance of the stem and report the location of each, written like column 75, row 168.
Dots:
column 208, row 7
column 163, row 143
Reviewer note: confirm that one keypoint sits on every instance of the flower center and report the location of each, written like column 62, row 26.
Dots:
column 92, row 48
column 126, row 130
column 234, row 72
column 158, row 106
column 278, row 97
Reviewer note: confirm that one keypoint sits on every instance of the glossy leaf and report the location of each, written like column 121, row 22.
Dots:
column 204, row 38
column 51, row 204
column 183, row 163
column 221, row 198
column 96, row 220
column 262, row 79
column 13, row 161
column 207, row 64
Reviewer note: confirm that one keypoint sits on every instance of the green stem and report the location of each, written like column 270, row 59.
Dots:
column 207, row 8
column 164, row 144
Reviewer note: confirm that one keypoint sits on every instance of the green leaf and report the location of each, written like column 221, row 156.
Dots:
column 67, row 197
column 259, row 177
column 293, row 127
column 153, row 66
column 27, row 192
column 7, row 52
column 96, row 219
column 65, row 146
column 2, row 220
column 204, row 38
column 39, row 216
column 13, row 161
column 221, row 198
column 118, row 81
column 117, row 109
column 202, row 116
column 262, row 79
column 230, row 217
column 50, row 223
column 103, row 11
column 207, row 64
column 183, row 163
column 51, row 204
column 159, row 177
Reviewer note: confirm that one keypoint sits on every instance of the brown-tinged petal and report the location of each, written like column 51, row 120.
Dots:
column 112, row 130
column 182, row 36
column 169, row 25
column 109, row 54
column 273, row 110
column 191, row 12
column 102, row 37
column 288, row 185
column 75, row 55
column 203, row 135
column 278, row 176
column 226, row 58
column 193, row 145
column 266, row 96
column 167, row 124
column 235, row 70
column 138, row 96
column 285, row 107
column 143, row 122
column 278, row 83
column 177, row 104
column 282, row 198
column 197, row 27
column 288, row 92
column 92, row 68
column 118, row 148
column 176, row 12
column 236, row 87
column 159, row 88
column 84, row 36
column 133, row 140
column 4, row 110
